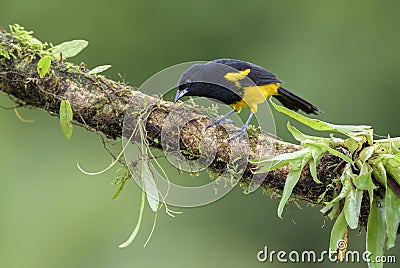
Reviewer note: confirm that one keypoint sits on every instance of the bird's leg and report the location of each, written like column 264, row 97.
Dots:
column 243, row 129
column 221, row 120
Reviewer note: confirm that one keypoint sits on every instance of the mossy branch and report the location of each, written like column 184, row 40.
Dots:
column 100, row 104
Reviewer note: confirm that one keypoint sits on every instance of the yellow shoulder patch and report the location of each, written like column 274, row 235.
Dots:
column 236, row 76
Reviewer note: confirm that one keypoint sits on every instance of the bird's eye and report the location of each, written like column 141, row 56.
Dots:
column 188, row 81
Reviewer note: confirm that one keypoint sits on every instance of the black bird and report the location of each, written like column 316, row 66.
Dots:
column 238, row 84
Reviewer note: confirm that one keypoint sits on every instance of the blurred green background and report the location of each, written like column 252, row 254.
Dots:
column 341, row 55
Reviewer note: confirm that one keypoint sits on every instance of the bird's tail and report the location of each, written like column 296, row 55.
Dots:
column 293, row 102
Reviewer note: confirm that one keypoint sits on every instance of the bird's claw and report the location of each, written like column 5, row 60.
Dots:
column 240, row 132
column 218, row 122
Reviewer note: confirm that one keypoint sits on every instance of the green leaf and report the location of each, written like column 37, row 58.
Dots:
column 319, row 125
column 313, row 123
column 318, row 147
column 347, row 186
column 123, row 176
column 282, row 157
column 334, row 206
column 307, row 139
column 392, row 216
column 296, row 133
column 139, row 222
column 150, row 187
column 322, row 196
column 311, row 143
column 335, row 211
column 326, row 208
column 393, row 147
column 392, row 166
column 371, row 196
column 291, row 180
column 316, row 152
column 337, row 153
column 366, row 153
column 323, row 143
column 376, row 231
column 352, row 145
column 364, row 180
column 99, row 69
column 149, row 184
column 337, row 233
column 379, row 172
column 269, row 164
column 68, row 49
column 43, row 66
column 352, row 207
column 66, row 118
column 119, row 190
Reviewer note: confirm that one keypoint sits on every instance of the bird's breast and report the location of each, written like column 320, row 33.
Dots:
column 254, row 95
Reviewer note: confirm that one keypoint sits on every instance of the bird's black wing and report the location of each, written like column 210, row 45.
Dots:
column 258, row 75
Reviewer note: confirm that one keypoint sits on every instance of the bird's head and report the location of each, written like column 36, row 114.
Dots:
column 188, row 82
column 202, row 79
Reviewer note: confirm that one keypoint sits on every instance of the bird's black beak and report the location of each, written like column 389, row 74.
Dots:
column 180, row 94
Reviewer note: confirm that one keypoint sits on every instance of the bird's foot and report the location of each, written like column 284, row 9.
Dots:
column 219, row 121
column 240, row 132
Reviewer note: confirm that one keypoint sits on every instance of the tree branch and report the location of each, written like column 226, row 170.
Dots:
column 101, row 105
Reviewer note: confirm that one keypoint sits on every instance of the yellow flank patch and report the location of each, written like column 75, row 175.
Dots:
column 255, row 95
column 236, row 76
